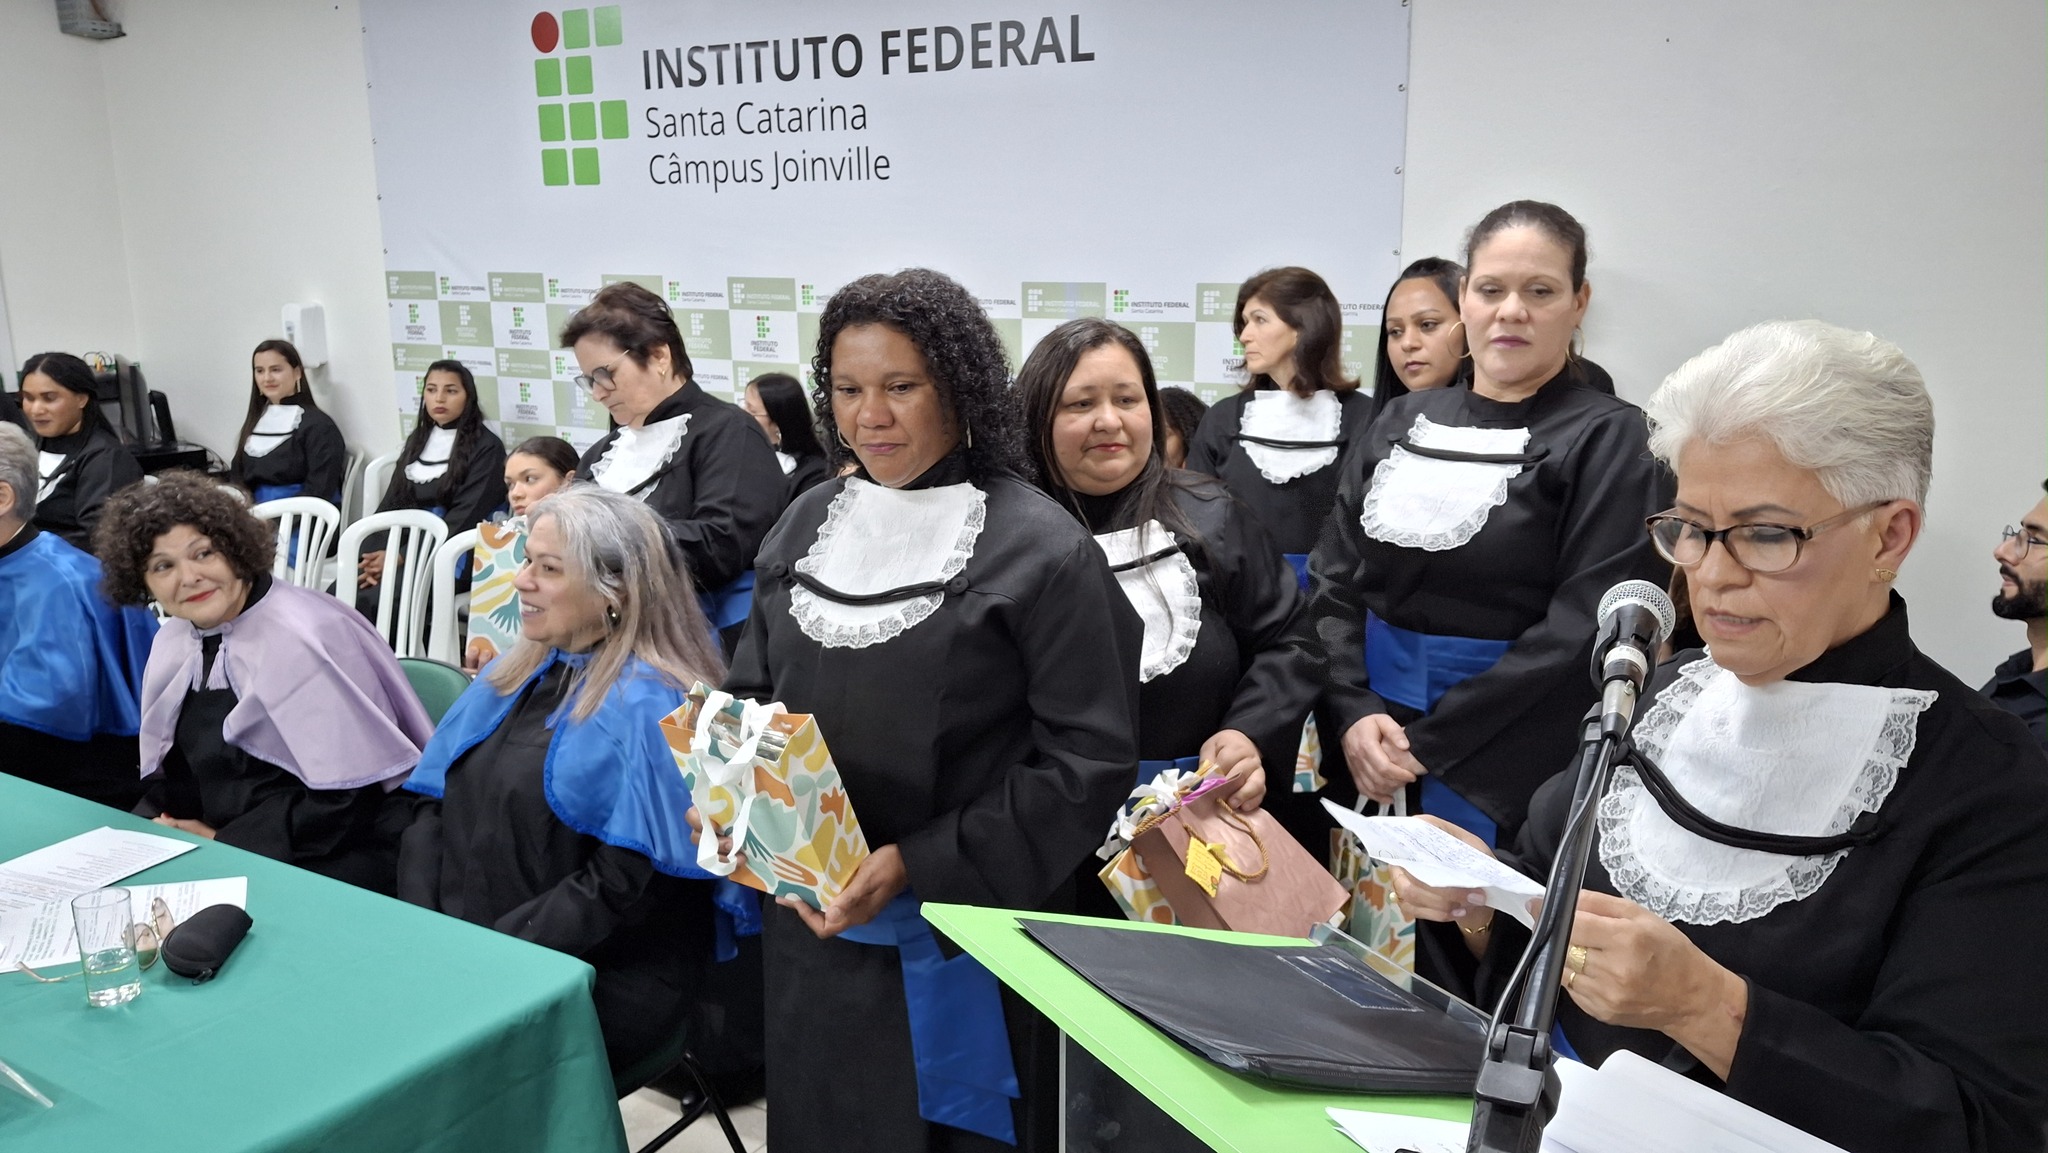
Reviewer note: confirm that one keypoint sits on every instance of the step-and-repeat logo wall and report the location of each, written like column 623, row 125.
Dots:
column 1108, row 159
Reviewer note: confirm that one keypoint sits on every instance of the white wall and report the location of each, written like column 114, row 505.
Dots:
column 1876, row 165
column 61, row 248
column 169, row 191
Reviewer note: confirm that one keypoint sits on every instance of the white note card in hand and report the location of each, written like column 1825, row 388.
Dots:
column 1441, row 861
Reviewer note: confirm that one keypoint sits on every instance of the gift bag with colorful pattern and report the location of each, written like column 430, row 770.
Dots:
column 1373, row 916
column 766, row 777
column 1308, row 760
column 493, row 602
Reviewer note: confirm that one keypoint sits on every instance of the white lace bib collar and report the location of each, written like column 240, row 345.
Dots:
column 1795, row 758
column 1310, row 422
column 638, row 455
column 877, row 540
column 1419, row 501
column 432, row 464
column 1163, row 589
column 273, row 428
column 50, row 466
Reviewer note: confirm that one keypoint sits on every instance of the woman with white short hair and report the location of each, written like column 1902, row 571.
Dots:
column 1817, row 888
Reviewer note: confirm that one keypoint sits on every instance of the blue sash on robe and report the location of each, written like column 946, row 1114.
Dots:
column 965, row 1077
column 70, row 661
column 730, row 605
column 265, row 492
column 611, row 777
column 1416, row 670
column 1300, row 562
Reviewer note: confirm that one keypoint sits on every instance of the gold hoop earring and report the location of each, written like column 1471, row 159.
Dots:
column 1886, row 575
column 969, row 430
column 1467, row 342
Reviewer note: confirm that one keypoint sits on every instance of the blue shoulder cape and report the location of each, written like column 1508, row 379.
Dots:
column 611, row 777
column 70, row 661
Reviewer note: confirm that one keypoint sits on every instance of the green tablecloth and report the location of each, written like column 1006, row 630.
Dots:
column 1227, row 1111
column 346, row 1021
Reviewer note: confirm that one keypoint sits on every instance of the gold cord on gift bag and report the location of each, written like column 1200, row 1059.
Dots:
column 1234, row 817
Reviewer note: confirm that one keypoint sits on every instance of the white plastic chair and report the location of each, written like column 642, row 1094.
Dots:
column 352, row 486
column 235, row 490
column 304, row 526
column 376, row 477
column 445, row 637
column 413, row 535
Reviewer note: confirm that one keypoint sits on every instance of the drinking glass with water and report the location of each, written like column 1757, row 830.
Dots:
column 107, row 946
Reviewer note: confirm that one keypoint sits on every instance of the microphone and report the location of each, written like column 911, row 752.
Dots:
column 1635, row 618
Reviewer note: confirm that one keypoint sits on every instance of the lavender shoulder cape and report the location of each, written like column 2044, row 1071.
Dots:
column 319, row 693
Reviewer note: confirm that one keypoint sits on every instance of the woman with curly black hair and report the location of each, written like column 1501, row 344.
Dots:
column 274, row 718
column 972, row 663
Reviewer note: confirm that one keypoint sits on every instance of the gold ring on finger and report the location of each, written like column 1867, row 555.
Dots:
column 1575, row 958
column 1570, row 975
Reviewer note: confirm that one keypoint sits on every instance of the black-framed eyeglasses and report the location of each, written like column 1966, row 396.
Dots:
column 601, row 376
column 1760, row 548
column 2012, row 534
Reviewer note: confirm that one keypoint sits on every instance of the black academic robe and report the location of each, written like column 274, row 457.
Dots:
column 809, row 473
column 261, row 807
column 96, row 466
column 1249, row 670
column 314, row 455
column 1900, row 1006
column 1570, row 529
column 493, row 852
column 471, row 500
column 988, row 743
column 721, row 490
column 1291, row 513
column 468, row 502
column 103, row 767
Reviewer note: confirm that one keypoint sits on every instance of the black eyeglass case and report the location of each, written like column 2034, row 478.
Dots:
column 201, row 944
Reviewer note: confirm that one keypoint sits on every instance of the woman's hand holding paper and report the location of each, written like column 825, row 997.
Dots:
column 1463, row 907
column 873, row 885
column 1641, row 972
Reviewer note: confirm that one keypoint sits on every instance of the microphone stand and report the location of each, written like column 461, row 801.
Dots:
column 1518, row 1089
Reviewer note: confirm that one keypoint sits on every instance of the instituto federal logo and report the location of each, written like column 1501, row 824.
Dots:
column 569, row 74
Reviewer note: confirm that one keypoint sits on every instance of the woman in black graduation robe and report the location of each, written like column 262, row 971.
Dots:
column 1869, row 971
column 452, row 465
column 1476, row 528
column 1227, row 678
column 700, row 462
column 1292, row 330
column 83, row 461
column 550, row 808
column 983, row 724
column 287, row 446
column 273, row 718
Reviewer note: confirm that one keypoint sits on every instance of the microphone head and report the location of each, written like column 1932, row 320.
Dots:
column 1644, row 595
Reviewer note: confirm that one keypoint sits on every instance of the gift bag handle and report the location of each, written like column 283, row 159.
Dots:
column 728, row 771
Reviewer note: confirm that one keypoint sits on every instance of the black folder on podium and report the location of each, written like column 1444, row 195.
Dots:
column 1315, row 1014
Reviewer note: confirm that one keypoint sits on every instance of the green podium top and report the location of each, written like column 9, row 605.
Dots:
column 1225, row 1110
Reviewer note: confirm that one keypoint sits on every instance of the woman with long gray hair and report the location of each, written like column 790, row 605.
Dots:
column 556, row 812
column 1817, row 887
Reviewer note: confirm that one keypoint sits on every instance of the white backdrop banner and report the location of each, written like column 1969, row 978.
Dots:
column 1107, row 158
